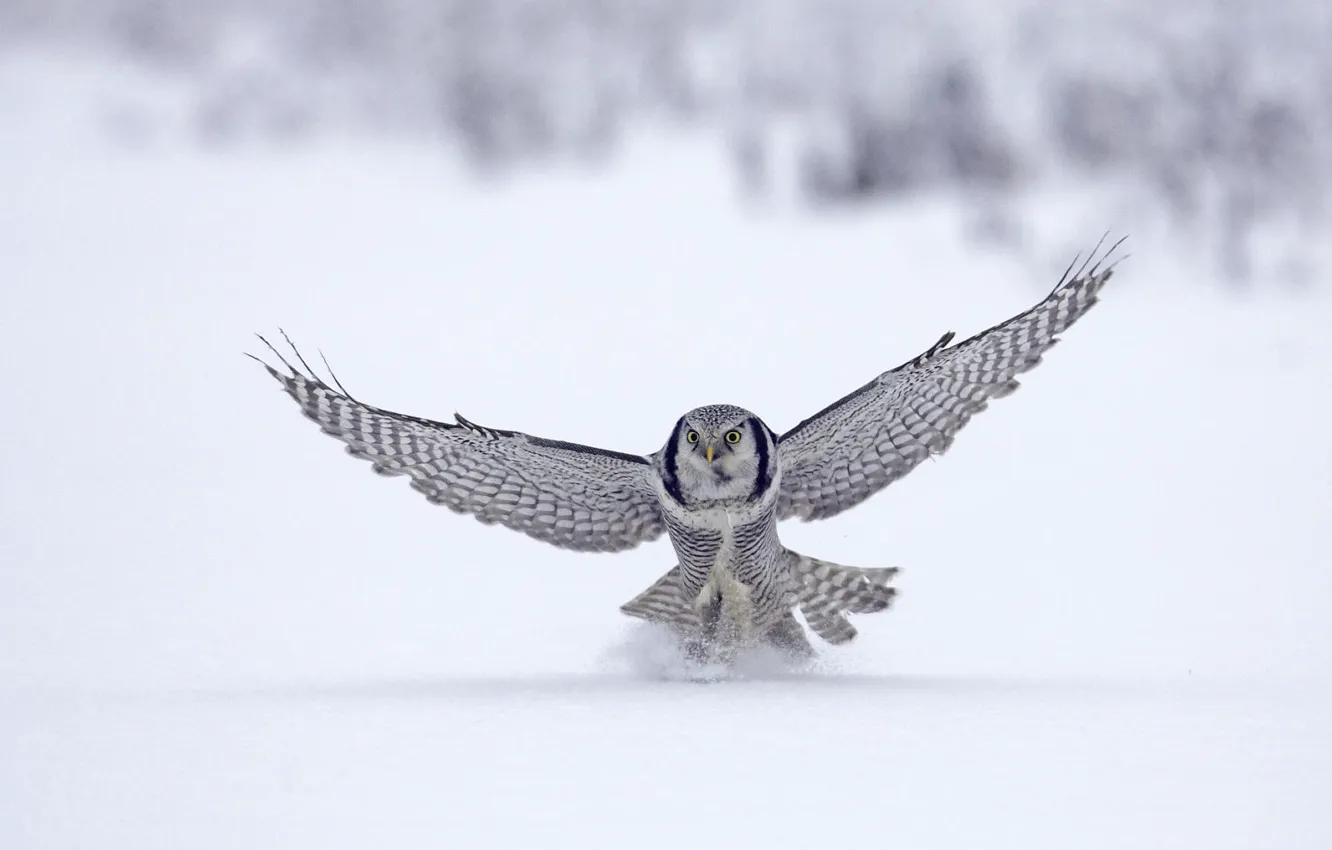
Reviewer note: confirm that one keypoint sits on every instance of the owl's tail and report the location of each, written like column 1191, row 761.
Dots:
column 664, row 602
column 825, row 593
column 828, row 592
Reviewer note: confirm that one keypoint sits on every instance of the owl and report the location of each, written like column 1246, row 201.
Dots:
column 720, row 485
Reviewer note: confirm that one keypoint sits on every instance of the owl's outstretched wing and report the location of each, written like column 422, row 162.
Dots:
column 576, row 497
column 863, row 442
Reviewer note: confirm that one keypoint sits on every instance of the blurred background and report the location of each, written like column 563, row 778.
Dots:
column 578, row 219
column 1211, row 119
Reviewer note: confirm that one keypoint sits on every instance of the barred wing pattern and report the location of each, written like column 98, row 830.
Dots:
column 573, row 496
column 854, row 448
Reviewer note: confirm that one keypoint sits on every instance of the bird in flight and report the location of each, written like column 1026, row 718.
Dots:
column 721, row 483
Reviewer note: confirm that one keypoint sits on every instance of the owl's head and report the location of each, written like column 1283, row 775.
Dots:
column 720, row 452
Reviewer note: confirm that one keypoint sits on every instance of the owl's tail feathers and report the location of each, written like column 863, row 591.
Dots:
column 664, row 602
column 828, row 592
column 825, row 593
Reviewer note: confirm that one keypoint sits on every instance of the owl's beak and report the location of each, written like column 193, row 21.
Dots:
column 708, row 453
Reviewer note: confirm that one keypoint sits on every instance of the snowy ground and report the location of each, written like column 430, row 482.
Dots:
column 217, row 631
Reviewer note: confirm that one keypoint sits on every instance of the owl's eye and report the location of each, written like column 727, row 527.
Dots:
column 691, row 437
column 733, row 437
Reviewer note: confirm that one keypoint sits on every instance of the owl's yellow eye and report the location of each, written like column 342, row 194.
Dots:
column 733, row 437
column 691, row 437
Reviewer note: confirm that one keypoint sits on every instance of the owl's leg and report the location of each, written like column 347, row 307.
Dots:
column 710, row 627
column 710, row 615
column 715, row 642
column 789, row 636
column 700, row 647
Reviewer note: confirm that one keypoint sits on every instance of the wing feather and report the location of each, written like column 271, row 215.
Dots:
column 573, row 496
column 868, row 439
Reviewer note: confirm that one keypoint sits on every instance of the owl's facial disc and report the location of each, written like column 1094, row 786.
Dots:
column 704, row 443
column 715, row 450
column 719, row 455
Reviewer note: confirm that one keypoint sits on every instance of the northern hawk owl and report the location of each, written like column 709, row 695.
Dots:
column 721, row 483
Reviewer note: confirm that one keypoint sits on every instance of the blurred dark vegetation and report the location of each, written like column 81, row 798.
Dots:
column 1219, row 113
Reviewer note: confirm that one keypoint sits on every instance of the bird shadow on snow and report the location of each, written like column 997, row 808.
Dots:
column 648, row 662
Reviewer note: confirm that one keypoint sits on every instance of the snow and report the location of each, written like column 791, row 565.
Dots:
column 218, row 631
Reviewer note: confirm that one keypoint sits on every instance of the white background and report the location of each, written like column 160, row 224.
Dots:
column 218, row 631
